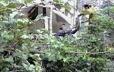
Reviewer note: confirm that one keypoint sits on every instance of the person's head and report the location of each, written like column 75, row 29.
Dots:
column 62, row 27
column 87, row 6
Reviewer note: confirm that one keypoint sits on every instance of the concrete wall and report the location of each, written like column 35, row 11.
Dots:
column 40, row 24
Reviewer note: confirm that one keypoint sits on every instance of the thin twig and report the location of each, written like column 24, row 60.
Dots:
column 90, row 52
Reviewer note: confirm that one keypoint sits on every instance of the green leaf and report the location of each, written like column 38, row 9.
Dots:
column 27, row 1
column 5, row 70
column 66, row 7
column 2, row 4
column 59, row 1
column 25, row 36
column 13, row 5
column 25, row 66
column 31, row 67
column 12, row 15
column 9, row 59
column 7, row 36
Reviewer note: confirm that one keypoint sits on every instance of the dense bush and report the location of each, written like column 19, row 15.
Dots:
column 16, row 44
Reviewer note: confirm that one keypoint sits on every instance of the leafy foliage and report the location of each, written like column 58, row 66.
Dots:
column 107, row 17
column 74, row 55
column 16, row 43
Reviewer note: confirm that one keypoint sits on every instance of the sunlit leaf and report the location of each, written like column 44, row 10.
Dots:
column 27, row 1
column 13, row 5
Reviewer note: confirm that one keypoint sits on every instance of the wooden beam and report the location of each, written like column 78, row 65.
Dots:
column 51, row 15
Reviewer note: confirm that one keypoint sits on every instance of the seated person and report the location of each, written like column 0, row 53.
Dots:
column 63, row 32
